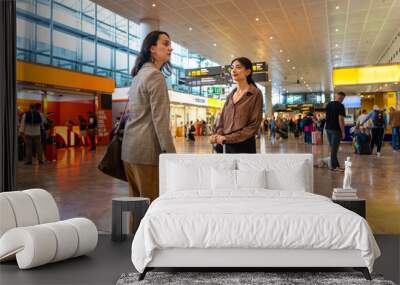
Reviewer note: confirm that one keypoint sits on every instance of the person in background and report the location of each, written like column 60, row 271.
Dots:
column 362, row 118
column 147, row 131
column 82, row 129
column 308, row 128
column 92, row 129
column 266, row 123
column 394, row 121
column 272, row 128
column 30, row 130
column 379, row 122
column 43, row 135
column 321, row 126
column 300, row 125
column 242, row 113
column 334, row 127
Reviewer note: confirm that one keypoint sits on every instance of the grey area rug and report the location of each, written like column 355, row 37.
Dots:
column 269, row 278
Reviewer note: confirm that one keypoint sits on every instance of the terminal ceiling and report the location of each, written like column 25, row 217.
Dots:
column 315, row 35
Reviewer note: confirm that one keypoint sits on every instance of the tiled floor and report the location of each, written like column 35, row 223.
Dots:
column 82, row 190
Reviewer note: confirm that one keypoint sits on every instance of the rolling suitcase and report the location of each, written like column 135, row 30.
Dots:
column 362, row 143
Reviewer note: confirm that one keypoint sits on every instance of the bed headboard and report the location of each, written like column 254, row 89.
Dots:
column 287, row 164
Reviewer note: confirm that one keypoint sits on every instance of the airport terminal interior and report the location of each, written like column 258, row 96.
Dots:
column 70, row 61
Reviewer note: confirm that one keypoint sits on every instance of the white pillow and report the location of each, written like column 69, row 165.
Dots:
column 251, row 178
column 189, row 175
column 223, row 179
column 281, row 173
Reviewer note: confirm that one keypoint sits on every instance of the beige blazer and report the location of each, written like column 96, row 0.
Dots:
column 147, row 132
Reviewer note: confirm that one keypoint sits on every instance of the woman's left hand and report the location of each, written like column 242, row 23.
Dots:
column 221, row 139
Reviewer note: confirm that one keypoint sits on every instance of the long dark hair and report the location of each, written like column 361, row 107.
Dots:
column 248, row 65
column 145, row 54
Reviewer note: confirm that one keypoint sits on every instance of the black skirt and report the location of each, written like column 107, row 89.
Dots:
column 247, row 146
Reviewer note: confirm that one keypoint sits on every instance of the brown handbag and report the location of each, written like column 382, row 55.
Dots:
column 111, row 163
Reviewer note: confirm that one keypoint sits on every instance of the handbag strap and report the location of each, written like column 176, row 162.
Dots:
column 122, row 117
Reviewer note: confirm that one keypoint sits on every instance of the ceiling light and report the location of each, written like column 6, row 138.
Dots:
column 386, row 85
column 336, row 45
column 214, row 44
column 271, row 37
column 153, row 5
column 336, row 56
column 293, row 67
column 301, row 78
column 281, row 50
column 288, row 60
column 337, row 7
column 337, row 30
column 190, row 28
column 257, row 19
column 232, row 56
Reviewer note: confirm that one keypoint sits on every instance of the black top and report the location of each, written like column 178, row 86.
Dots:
column 333, row 110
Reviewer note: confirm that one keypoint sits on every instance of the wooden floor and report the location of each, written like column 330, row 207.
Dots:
column 82, row 190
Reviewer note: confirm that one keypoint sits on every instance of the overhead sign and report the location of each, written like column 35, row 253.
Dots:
column 204, row 71
column 260, row 67
column 366, row 75
column 204, row 81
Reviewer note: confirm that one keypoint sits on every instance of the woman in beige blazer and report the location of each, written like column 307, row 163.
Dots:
column 147, row 133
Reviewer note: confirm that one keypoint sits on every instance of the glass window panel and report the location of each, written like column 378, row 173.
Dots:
column 104, row 72
column 121, row 23
column 88, row 51
column 43, row 8
column 27, row 5
column 43, row 39
column 73, row 4
column 121, row 80
column 134, row 43
column 65, row 45
column 88, row 8
column 66, row 16
column 105, row 31
column 25, row 33
column 88, row 25
column 121, row 37
column 106, row 16
column 87, row 68
column 43, row 59
column 104, row 56
column 132, row 60
column 64, row 64
column 121, row 59
column 134, row 29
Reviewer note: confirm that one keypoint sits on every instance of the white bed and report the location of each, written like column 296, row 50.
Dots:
column 202, row 219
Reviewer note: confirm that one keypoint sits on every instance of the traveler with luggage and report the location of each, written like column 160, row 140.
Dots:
column 242, row 113
column 394, row 121
column 379, row 122
column 308, row 128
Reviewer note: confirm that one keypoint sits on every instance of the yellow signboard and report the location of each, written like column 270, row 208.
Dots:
column 215, row 103
column 45, row 75
column 366, row 75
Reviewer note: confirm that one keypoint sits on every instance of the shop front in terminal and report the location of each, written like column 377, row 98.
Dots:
column 65, row 97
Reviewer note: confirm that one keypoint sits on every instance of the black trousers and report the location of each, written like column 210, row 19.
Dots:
column 377, row 138
column 247, row 146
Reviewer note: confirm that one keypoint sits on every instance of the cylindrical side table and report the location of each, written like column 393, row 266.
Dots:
column 138, row 205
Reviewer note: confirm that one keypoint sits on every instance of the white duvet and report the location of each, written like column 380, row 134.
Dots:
column 250, row 219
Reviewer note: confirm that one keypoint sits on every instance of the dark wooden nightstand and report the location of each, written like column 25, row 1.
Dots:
column 356, row 205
